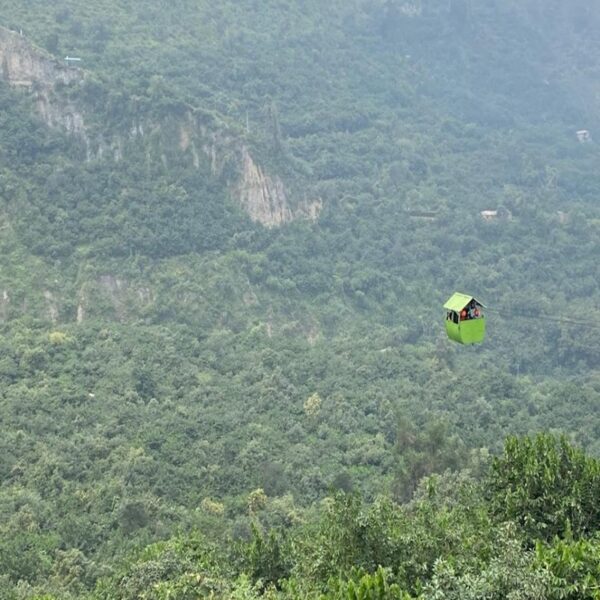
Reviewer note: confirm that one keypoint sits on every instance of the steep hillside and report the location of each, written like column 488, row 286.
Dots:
column 226, row 234
column 346, row 124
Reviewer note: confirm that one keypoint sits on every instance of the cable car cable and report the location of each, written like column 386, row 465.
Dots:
column 466, row 325
column 566, row 320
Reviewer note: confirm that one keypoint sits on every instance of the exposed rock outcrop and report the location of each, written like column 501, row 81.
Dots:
column 115, row 290
column 51, row 306
column 187, row 131
column 80, row 312
column 264, row 197
column 64, row 115
column 111, row 294
column 4, row 301
column 25, row 65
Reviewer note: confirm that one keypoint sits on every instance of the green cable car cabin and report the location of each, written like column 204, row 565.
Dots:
column 465, row 322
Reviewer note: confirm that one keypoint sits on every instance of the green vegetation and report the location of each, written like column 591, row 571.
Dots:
column 192, row 403
column 447, row 543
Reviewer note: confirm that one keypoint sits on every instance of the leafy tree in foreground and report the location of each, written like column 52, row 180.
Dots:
column 547, row 486
column 574, row 567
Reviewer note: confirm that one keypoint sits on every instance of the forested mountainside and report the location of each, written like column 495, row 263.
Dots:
column 226, row 233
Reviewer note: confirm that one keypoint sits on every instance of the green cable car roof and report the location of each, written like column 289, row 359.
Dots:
column 458, row 301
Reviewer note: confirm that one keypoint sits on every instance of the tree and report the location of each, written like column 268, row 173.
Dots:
column 547, row 486
column 574, row 567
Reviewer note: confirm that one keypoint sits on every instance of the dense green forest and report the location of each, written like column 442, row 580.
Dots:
column 204, row 393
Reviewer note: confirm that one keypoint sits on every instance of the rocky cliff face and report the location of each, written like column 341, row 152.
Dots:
column 27, row 66
column 262, row 196
column 4, row 301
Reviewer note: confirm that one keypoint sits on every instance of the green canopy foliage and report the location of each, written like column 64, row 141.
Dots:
column 169, row 366
column 549, row 486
